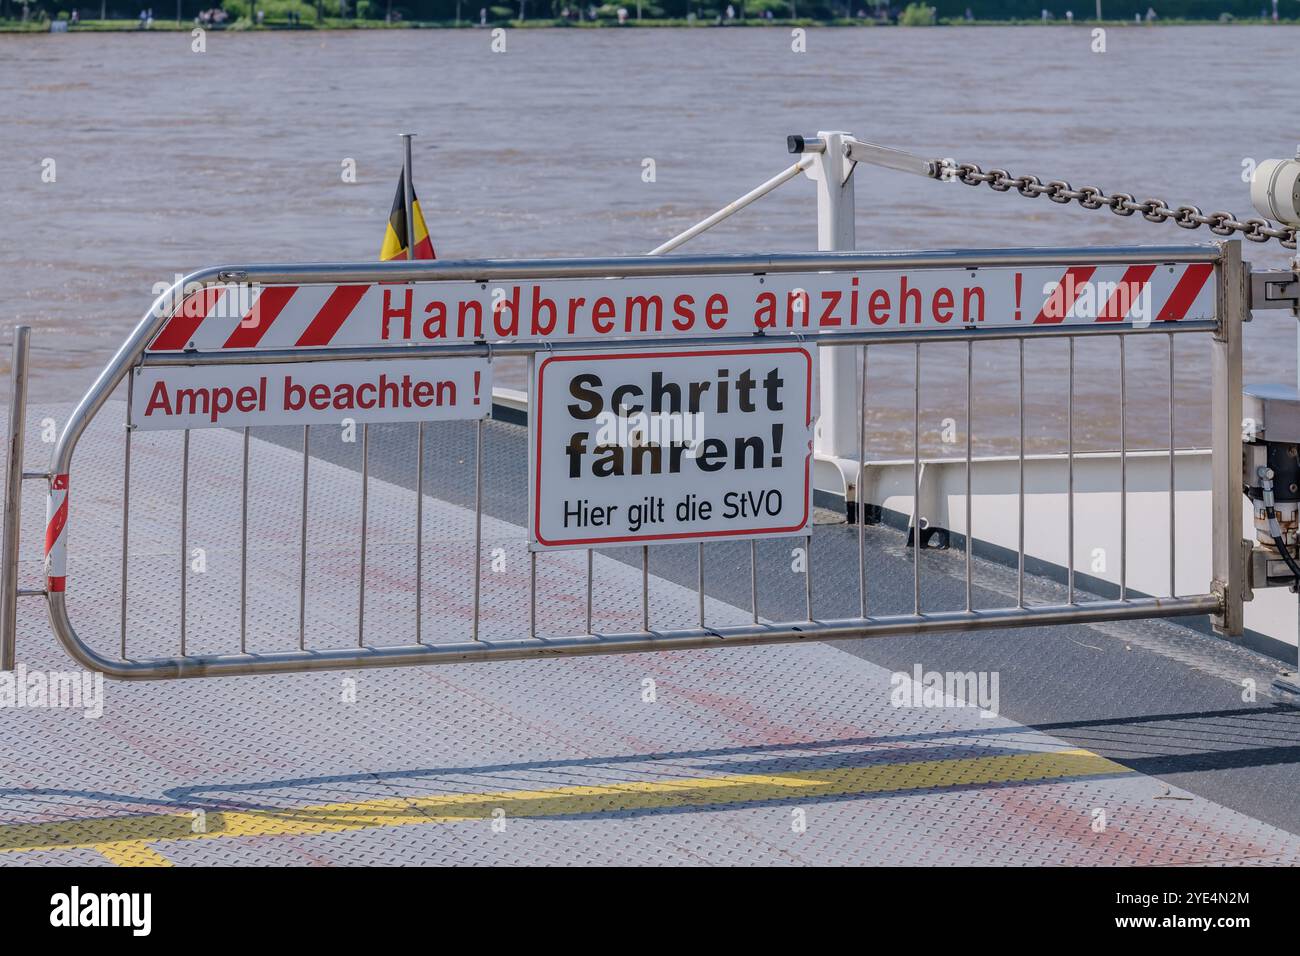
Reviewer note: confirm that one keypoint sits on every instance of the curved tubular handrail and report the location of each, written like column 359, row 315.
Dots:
column 432, row 270
column 743, row 635
column 160, row 311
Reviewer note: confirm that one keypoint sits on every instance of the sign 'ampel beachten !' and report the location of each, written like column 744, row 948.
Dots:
column 300, row 393
column 648, row 446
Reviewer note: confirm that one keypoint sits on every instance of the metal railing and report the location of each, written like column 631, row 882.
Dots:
column 1221, row 597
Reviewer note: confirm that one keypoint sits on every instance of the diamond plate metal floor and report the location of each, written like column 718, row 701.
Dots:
column 777, row 755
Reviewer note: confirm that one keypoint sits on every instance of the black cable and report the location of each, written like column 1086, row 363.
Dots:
column 1281, row 546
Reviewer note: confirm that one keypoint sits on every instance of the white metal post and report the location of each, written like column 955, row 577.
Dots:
column 837, row 427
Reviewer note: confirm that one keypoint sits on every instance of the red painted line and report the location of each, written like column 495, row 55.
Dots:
column 176, row 334
column 263, row 312
column 1071, row 286
column 56, row 584
column 1130, row 287
column 332, row 315
column 1185, row 292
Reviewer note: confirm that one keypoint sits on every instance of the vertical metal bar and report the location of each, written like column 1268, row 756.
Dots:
column 302, row 544
column 419, row 529
column 126, row 521
column 365, row 515
column 808, row 575
column 916, row 479
column 1172, row 531
column 243, row 556
column 1227, row 559
column 753, row 578
column 1069, row 480
column 532, row 594
column 645, row 587
column 861, row 479
column 1123, row 475
column 14, row 497
column 185, row 518
column 590, row 575
column 478, row 521
column 699, row 561
column 970, row 430
column 1020, row 495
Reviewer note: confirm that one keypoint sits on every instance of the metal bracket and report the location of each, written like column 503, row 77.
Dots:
column 888, row 158
column 1265, row 569
column 1247, row 577
column 872, row 154
column 1274, row 290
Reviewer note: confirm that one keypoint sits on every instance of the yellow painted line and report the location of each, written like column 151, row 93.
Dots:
column 132, row 854
column 123, row 838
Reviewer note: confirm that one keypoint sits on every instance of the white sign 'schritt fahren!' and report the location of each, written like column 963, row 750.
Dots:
column 660, row 446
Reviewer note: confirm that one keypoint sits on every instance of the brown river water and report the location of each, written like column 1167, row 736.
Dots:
column 167, row 160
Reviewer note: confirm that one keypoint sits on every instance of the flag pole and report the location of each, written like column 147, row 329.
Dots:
column 409, row 198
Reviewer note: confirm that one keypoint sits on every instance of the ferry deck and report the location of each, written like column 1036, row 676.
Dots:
column 1136, row 743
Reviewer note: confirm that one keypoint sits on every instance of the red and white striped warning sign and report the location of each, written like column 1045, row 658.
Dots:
column 56, row 539
column 232, row 317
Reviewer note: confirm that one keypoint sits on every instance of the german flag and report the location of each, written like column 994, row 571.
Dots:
column 395, row 235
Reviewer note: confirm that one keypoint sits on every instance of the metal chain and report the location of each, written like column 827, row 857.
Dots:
column 1121, row 204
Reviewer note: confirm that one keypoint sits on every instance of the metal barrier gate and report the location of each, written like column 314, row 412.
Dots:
column 363, row 313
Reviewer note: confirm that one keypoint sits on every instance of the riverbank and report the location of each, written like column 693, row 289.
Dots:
column 133, row 26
